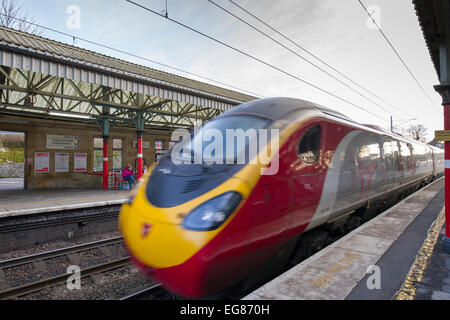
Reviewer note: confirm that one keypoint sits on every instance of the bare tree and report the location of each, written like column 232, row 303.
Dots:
column 13, row 16
column 417, row 132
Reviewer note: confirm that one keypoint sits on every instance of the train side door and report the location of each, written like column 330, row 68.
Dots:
column 408, row 169
column 389, row 160
column 398, row 164
column 308, row 168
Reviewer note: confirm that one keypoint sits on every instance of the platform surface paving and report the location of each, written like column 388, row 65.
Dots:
column 334, row 272
column 23, row 202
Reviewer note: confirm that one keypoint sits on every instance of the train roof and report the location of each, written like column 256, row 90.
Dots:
column 279, row 108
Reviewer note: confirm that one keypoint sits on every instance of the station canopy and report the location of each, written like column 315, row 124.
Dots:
column 46, row 79
column 434, row 19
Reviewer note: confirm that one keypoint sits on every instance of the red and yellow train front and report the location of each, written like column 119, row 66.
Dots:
column 180, row 246
column 186, row 226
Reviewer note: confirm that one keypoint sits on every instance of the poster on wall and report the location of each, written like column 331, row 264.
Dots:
column 61, row 142
column 41, row 162
column 158, row 145
column 61, row 162
column 80, row 162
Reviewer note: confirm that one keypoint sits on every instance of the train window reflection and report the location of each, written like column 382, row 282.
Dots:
column 388, row 149
column 248, row 125
column 369, row 151
column 309, row 147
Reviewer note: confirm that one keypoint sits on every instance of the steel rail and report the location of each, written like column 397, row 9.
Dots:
column 58, row 252
column 42, row 284
column 155, row 290
column 12, row 226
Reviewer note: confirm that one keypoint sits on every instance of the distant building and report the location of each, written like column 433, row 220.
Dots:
column 435, row 143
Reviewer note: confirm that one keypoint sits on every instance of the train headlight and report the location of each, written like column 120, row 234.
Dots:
column 211, row 214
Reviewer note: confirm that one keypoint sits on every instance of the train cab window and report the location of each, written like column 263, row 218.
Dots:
column 309, row 146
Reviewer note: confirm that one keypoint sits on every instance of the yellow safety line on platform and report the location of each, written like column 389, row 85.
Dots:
column 408, row 290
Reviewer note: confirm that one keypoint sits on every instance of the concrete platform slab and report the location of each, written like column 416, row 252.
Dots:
column 366, row 244
column 25, row 202
column 439, row 295
column 335, row 271
column 11, row 184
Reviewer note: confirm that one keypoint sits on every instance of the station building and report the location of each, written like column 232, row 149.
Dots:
column 47, row 140
column 85, row 115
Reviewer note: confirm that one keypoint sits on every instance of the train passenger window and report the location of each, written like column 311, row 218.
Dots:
column 406, row 155
column 309, row 147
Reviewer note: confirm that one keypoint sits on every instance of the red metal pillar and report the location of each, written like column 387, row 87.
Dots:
column 105, row 162
column 139, row 155
column 444, row 91
column 447, row 171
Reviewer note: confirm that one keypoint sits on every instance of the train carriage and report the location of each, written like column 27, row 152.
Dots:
column 203, row 228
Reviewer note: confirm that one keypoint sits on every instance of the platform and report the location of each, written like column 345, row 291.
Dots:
column 383, row 259
column 25, row 202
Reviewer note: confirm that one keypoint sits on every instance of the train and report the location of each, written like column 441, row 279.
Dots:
column 203, row 230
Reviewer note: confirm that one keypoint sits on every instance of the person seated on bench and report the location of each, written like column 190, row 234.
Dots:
column 127, row 174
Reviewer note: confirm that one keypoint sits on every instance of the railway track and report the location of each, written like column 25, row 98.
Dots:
column 156, row 291
column 22, row 290
column 58, row 252
column 55, row 225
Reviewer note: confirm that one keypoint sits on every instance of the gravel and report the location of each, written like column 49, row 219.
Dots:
column 91, row 257
column 113, row 284
column 58, row 265
column 19, row 275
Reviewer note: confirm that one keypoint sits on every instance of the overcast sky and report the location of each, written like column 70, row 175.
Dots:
column 336, row 31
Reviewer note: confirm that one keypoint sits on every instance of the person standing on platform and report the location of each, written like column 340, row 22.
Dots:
column 127, row 175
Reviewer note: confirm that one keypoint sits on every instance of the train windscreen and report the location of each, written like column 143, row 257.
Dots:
column 225, row 139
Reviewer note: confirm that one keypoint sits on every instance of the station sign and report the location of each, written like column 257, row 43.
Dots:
column 145, row 144
column 61, row 142
column 442, row 135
